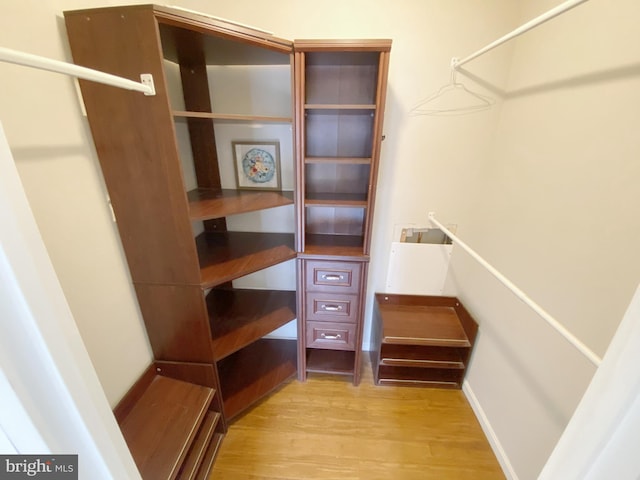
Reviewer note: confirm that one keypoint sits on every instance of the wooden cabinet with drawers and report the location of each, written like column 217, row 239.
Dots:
column 339, row 104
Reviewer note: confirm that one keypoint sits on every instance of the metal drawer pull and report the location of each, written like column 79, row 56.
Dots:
column 337, row 336
column 331, row 277
column 332, row 308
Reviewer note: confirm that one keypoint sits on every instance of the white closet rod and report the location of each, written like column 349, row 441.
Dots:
column 593, row 358
column 42, row 63
column 554, row 12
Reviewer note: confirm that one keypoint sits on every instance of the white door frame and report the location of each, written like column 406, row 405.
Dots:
column 50, row 398
column 601, row 440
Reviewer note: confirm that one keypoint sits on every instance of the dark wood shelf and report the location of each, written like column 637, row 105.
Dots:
column 441, row 378
column 339, row 106
column 231, row 117
column 340, row 362
column 209, row 457
column 255, row 371
column 198, row 450
column 422, row 357
column 207, row 203
column 240, row 317
column 339, row 160
column 422, row 325
column 333, row 246
column 163, row 423
column 225, row 256
column 336, row 200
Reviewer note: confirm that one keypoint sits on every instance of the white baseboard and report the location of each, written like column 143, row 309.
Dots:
column 496, row 446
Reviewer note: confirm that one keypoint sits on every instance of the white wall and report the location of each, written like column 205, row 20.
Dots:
column 555, row 209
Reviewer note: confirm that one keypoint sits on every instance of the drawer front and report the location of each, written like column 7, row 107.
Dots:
column 332, row 307
column 339, row 277
column 333, row 336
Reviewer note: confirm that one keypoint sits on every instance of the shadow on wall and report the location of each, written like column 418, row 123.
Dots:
column 602, row 76
column 515, row 320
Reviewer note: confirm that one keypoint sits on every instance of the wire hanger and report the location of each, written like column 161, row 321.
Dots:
column 428, row 107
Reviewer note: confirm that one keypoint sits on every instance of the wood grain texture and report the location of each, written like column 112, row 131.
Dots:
column 206, row 203
column 204, row 374
column 333, row 247
column 210, row 457
column 225, row 256
column 176, row 320
column 328, row 429
column 139, row 159
column 198, row 450
column 255, row 371
column 162, row 425
column 420, row 340
column 239, row 317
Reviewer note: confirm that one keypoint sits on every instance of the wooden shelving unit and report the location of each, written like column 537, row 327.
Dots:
column 421, row 340
column 201, row 249
column 341, row 88
column 190, row 234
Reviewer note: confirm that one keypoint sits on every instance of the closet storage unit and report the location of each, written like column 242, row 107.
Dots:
column 200, row 258
column 421, row 340
column 340, row 96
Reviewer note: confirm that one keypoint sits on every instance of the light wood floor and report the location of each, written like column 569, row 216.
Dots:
column 327, row 428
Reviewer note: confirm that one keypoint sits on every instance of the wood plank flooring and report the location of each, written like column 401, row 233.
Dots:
column 328, row 429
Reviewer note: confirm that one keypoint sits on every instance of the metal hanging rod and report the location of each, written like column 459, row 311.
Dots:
column 581, row 347
column 42, row 63
column 554, row 12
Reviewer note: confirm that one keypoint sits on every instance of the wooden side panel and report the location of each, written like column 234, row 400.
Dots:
column 300, row 148
column 381, row 98
column 176, row 321
column 135, row 141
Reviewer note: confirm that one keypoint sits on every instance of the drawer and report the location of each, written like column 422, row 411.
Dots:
column 339, row 277
column 333, row 336
column 332, row 307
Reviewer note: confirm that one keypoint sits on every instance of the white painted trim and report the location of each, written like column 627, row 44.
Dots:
column 42, row 355
column 493, row 439
column 601, row 439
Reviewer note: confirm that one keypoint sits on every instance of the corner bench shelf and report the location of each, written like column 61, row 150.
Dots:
column 421, row 340
column 169, row 427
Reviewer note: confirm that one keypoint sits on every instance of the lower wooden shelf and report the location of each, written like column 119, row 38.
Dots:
column 255, row 371
column 165, row 422
column 209, row 457
column 421, row 340
column 339, row 362
column 196, row 455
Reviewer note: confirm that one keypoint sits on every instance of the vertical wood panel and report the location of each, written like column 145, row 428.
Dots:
column 134, row 136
